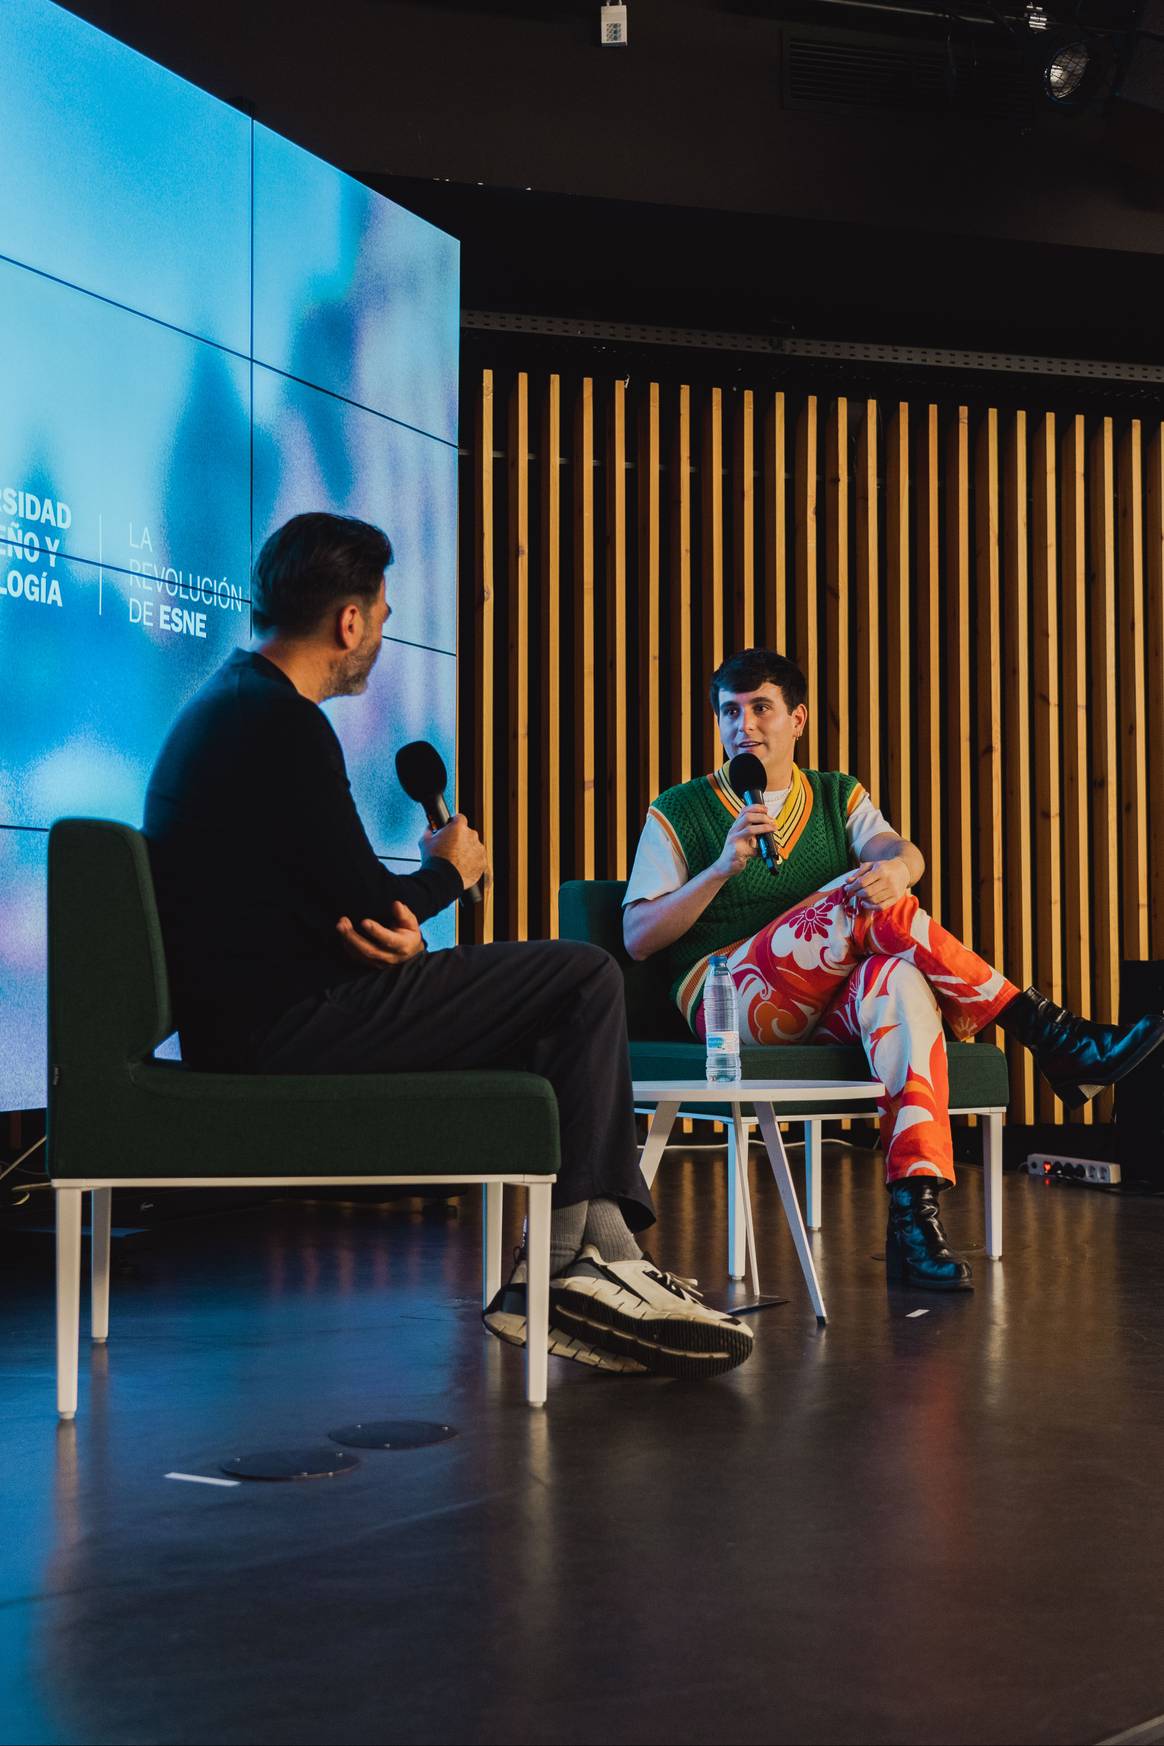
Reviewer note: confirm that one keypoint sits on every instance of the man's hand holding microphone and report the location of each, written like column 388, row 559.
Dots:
column 459, row 843
column 423, row 777
column 743, row 840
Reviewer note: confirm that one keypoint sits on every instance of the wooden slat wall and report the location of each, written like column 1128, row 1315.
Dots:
column 976, row 597
column 1045, row 617
column 930, row 674
column 1018, row 955
column 1154, row 684
column 1077, row 931
column 957, row 657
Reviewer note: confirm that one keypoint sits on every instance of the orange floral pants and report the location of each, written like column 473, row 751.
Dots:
column 827, row 971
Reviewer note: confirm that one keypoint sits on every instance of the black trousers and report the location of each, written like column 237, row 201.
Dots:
column 551, row 1007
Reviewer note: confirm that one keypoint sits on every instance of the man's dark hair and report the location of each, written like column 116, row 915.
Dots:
column 313, row 565
column 752, row 668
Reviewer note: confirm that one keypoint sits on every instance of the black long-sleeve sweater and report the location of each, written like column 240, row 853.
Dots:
column 257, row 850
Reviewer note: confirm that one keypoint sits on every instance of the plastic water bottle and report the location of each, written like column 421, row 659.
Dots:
column 721, row 1016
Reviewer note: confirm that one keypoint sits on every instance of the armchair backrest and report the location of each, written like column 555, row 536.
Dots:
column 591, row 909
column 108, row 996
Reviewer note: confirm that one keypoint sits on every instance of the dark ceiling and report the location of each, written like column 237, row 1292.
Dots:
column 856, row 171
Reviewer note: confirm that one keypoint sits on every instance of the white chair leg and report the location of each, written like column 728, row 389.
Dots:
column 992, row 1184
column 68, row 1210
column 492, row 1201
column 812, row 1156
column 537, row 1307
column 778, row 1158
column 740, row 1132
column 100, row 1209
column 737, row 1215
column 658, row 1133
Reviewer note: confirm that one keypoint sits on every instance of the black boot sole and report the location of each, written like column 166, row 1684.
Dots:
column 907, row 1278
column 1074, row 1093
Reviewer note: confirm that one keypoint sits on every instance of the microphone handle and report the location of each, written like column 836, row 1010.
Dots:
column 769, row 853
column 438, row 815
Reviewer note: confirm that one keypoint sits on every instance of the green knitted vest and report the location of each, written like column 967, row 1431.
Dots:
column 700, row 814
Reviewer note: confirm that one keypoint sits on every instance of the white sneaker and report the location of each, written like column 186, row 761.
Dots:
column 633, row 1309
column 506, row 1317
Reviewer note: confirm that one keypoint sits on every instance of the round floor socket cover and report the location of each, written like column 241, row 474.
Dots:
column 392, row 1434
column 321, row 1462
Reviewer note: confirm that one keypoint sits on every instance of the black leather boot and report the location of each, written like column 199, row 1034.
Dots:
column 1077, row 1056
column 916, row 1250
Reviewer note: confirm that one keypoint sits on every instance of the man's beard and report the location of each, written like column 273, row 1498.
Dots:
column 351, row 675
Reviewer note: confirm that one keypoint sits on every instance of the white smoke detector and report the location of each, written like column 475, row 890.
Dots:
column 613, row 27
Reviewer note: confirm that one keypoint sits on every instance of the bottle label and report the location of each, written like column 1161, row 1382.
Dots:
column 723, row 1042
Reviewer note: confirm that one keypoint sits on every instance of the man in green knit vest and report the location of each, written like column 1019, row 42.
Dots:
column 829, row 944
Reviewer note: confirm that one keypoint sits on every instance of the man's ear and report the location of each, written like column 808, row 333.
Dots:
column 349, row 626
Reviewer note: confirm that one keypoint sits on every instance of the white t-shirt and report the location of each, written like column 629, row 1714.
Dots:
column 659, row 866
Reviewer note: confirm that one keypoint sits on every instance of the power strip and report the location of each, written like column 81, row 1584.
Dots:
column 1089, row 1171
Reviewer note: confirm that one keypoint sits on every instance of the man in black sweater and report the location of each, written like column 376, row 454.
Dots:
column 292, row 949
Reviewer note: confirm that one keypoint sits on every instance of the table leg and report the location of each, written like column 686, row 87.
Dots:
column 740, row 1130
column 658, row 1133
column 778, row 1158
column 737, row 1212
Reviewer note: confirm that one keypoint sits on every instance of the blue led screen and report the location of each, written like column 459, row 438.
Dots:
column 206, row 330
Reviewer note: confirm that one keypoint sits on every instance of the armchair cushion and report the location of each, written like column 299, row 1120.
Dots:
column 662, row 1046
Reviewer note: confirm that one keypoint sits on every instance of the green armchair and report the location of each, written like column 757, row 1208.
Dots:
column 118, row 1117
column 662, row 1047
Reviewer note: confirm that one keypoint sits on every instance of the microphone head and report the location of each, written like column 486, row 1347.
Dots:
column 746, row 772
column 420, row 771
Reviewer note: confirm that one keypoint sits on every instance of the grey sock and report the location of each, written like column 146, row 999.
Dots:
column 567, row 1224
column 609, row 1232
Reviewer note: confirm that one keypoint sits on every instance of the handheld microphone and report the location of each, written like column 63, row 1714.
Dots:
column 421, row 772
column 747, row 776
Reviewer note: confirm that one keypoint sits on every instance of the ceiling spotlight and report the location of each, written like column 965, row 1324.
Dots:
column 1066, row 72
column 1036, row 17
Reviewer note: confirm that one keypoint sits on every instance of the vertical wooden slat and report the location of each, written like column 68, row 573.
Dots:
column 870, row 734
column 807, row 651
column 1018, row 957
column 483, row 629
column 585, row 766
column 901, row 699
column 959, row 811
column 649, row 570
column 988, row 737
column 1104, row 734
column 550, row 823
column 683, row 699
column 711, row 577
column 1154, row 572
column 1133, row 825
column 775, row 526
column 1076, row 781
column 833, row 703
column 617, row 748
column 517, row 871
column 744, row 506
column 1047, row 784
column 929, row 672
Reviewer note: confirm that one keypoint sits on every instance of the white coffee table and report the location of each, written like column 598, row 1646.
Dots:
column 670, row 1096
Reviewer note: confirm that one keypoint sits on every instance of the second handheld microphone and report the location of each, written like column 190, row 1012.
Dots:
column 421, row 772
column 747, row 777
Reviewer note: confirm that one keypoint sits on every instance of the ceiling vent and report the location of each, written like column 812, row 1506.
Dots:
column 918, row 77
